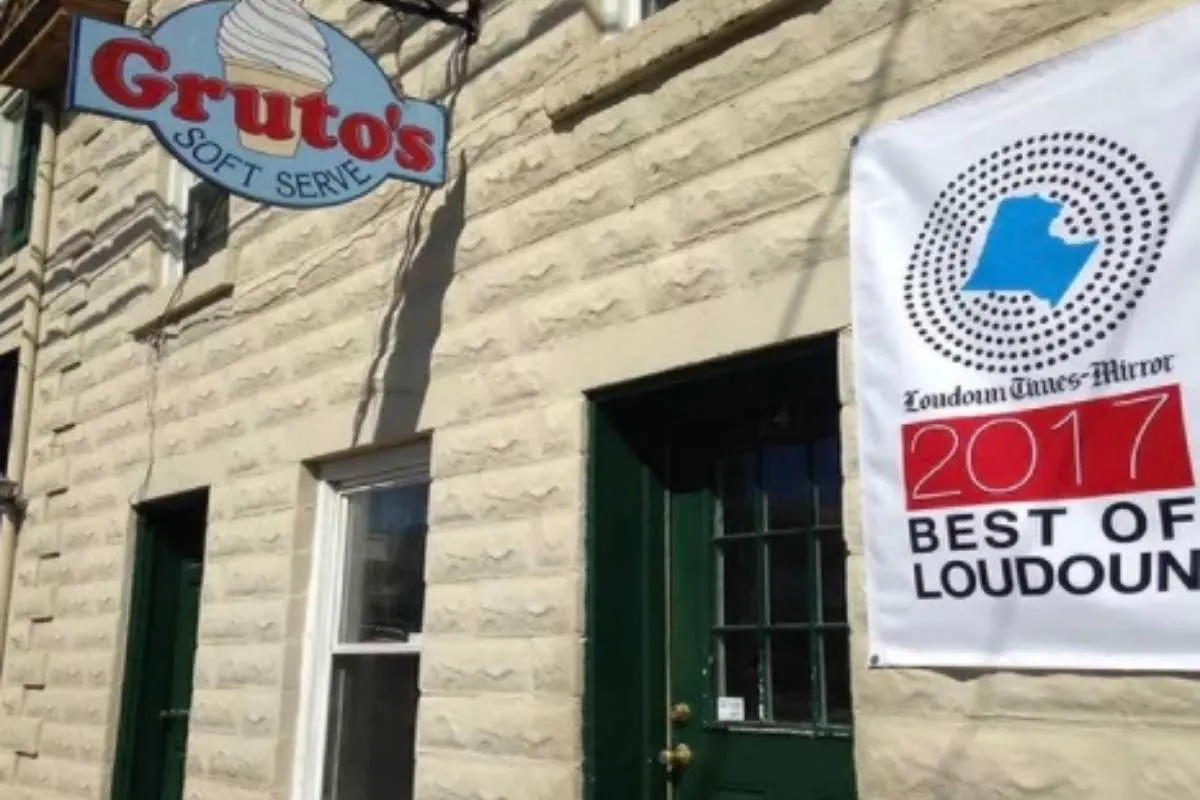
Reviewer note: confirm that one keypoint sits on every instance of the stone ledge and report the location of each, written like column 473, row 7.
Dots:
column 658, row 43
column 17, row 270
column 194, row 291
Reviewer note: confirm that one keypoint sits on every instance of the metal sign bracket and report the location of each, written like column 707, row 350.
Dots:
column 467, row 20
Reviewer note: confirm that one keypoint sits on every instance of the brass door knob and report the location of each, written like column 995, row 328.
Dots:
column 675, row 758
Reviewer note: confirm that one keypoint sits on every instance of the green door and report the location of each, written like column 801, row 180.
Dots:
column 160, row 654
column 758, row 676
column 718, row 663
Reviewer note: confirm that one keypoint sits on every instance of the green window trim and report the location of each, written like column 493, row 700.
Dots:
column 137, row 642
column 17, row 203
column 208, row 222
column 821, row 622
column 654, row 446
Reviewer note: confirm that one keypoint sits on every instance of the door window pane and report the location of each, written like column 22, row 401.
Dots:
column 384, row 587
column 781, row 635
column 827, row 475
column 789, row 494
column 791, row 677
column 653, row 6
column 837, row 677
column 741, row 674
column 372, row 721
column 833, row 577
column 737, row 572
column 738, row 494
column 791, row 580
column 10, row 145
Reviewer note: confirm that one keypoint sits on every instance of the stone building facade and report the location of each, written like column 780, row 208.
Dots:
column 627, row 197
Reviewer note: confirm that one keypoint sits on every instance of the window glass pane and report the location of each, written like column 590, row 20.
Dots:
column 791, row 580
column 207, row 223
column 180, row 181
column 383, row 598
column 827, row 474
column 8, row 155
column 837, row 677
column 738, row 494
column 789, row 493
column 791, row 677
column 738, row 580
column 10, row 146
column 372, row 720
column 740, row 674
column 833, row 577
column 651, row 6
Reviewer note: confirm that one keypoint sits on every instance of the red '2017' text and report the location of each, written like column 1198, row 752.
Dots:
column 1131, row 442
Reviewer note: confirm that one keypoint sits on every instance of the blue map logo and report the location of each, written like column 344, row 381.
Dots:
column 1037, row 252
column 1021, row 254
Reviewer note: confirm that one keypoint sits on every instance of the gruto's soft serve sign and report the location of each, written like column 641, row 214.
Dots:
column 262, row 98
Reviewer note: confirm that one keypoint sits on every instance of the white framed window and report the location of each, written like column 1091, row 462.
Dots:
column 12, row 124
column 180, row 181
column 363, row 639
column 635, row 11
column 20, row 133
column 197, row 222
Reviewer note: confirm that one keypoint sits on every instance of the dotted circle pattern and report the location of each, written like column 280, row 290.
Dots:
column 1109, row 195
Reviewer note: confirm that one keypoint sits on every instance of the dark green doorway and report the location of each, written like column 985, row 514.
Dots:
column 718, row 662
column 164, row 613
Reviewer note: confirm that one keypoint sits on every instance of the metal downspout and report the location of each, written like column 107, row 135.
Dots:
column 31, row 331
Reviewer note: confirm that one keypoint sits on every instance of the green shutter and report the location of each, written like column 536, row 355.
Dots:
column 27, row 158
column 137, row 647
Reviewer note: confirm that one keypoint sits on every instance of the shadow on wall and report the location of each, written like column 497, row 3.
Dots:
column 399, row 373
column 89, row 255
column 822, row 228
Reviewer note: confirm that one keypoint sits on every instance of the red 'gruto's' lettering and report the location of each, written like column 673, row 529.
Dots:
column 365, row 136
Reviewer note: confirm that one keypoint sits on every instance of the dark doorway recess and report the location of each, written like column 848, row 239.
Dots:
column 164, row 611
column 717, row 663
column 9, row 364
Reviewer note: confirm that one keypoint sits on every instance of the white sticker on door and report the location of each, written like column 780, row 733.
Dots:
column 731, row 709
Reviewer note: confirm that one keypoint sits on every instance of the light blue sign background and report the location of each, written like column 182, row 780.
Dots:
column 190, row 36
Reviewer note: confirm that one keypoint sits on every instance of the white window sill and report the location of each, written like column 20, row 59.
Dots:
column 171, row 302
column 656, row 44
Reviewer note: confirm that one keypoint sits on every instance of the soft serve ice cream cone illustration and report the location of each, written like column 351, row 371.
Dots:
column 274, row 45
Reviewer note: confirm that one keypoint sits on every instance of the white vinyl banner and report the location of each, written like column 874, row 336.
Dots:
column 1026, row 284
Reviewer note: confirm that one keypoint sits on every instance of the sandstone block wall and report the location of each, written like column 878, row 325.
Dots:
column 696, row 215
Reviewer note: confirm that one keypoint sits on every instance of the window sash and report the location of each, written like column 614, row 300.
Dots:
column 197, row 221
column 346, row 712
column 409, row 463
column 399, row 467
column 206, row 224
column 821, row 623
column 180, row 181
column 11, row 123
column 654, row 6
column 350, row 574
column 635, row 11
column 410, row 648
column 24, row 119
